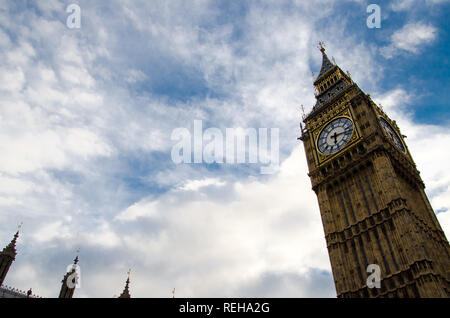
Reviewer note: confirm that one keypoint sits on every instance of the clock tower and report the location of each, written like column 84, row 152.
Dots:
column 371, row 197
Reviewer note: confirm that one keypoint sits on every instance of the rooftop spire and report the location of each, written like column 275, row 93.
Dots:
column 331, row 82
column 7, row 256
column 326, row 63
column 10, row 249
column 126, row 291
column 75, row 261
column 322, row 47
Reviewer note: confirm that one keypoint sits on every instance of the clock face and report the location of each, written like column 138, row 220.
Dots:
column 335, row 135
column 390, row 132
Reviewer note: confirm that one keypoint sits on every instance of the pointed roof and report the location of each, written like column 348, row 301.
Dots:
column 74, row 268
column 326, row 64
column 10, row 249
column 126, row 291
column 334, row 89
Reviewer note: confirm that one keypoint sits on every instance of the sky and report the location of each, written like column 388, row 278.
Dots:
column 87, row 115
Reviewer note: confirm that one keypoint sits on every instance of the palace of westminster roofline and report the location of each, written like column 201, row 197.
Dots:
column 68, row 284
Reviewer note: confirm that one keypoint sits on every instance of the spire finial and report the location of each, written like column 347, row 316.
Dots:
column 321, row 47
column 10, row 249
column 126, row 291
column 173, row 293
column 75, row 261
column 303, row 111
column 18, row 230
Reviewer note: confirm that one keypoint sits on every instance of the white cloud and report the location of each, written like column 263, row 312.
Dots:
column 444, row 220
column 266, row 226
column 410, row 38
column 135, row 76
column 51, row 231
column 12, row 79
column 103, row 237
column 404, row 5
column 401, row 5
column 195, row 185
column 138, row 210
column 10, row 185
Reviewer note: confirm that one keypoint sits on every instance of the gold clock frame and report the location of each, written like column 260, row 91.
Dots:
column 395, row 131
column 356, row 137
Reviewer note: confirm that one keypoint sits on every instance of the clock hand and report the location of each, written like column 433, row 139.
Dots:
column 336, row 135
column 346, row 130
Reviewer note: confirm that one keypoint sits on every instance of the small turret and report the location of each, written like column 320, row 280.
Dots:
column 70, row 281
column 126, row 291
column 7, row 257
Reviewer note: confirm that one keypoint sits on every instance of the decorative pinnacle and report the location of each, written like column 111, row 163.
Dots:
column 126, row 290
column 321, row 47
column 173, row 293
column 75, row 261
column 17, row 234
column 303, row 111
column 10, row 249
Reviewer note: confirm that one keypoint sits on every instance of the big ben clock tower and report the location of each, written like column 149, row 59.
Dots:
column 371, row 196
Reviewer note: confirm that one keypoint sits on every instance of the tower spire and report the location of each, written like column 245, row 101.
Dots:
column 331, row 82
column 126, row 290
column 75, row 261
column 322, row 47
column 10, row 249
column 8, row 255
column 326, row 63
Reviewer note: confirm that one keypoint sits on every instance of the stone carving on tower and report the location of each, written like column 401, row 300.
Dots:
column 371, row 197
